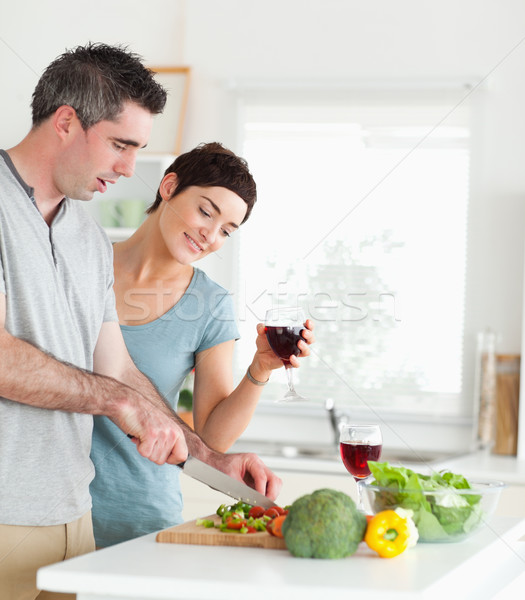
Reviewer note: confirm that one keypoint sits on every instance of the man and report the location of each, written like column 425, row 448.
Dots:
column 63, row 358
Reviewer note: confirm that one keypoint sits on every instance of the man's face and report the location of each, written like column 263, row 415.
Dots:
column 97, row 157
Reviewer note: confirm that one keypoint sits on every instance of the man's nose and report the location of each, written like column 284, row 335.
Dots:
column 126, row 166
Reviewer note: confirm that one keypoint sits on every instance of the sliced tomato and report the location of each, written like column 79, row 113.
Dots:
column 251, row 529
column 235, row 523
column 275, row 526
column 256, row 512
column 272, row 512
column 236, row 515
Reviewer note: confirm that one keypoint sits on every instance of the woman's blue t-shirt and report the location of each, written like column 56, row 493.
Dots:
column 131, row 495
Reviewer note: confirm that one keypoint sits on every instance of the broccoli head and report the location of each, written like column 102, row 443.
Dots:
column 324, row 524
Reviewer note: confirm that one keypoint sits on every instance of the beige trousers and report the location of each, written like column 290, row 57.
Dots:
column 23, row 550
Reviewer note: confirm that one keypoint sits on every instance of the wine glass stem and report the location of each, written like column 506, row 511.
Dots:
column 359, row 495
column 289, row 375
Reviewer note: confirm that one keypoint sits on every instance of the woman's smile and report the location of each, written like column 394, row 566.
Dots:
column 193, row 244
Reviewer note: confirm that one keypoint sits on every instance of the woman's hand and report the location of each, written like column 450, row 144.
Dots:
column 250, row 469
column 265, row 360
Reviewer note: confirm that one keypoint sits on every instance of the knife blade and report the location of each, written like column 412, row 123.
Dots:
column 221, row 482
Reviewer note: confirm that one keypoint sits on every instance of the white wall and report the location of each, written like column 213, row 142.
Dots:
column 33, row 33
column 286, row 40
column 406, row 40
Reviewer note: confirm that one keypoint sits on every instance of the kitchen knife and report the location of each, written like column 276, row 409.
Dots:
column 221, row 482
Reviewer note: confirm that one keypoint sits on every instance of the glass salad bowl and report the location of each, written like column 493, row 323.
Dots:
column 446, row 507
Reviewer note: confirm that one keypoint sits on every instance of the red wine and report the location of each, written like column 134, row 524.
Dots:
column 356, row 456
column 283, row 341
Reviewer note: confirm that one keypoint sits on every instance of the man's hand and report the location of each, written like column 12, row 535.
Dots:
column 134, row 405
column 157, row 436
column 250, row 469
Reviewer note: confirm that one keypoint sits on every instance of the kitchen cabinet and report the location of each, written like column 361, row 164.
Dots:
column 121, row 208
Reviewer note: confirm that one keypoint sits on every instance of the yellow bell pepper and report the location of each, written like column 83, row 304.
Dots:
column 407, row 514
column 388, row 534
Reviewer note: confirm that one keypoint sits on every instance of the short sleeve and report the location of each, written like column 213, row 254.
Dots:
column 110, row 309
column 221, row 326
column 2, row 282
column 110, row 305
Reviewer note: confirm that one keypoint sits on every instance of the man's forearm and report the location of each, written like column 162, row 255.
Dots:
column 32, row 376
column 138, row 381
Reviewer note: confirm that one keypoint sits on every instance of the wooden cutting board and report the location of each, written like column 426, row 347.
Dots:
column 190, row 533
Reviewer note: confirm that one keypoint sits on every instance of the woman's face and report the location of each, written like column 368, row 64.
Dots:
column 199, row 220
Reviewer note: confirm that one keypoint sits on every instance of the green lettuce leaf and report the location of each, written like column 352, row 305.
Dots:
column 447, row 514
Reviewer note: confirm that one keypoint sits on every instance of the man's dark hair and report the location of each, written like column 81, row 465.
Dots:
column 212, row 165
column 96, row 80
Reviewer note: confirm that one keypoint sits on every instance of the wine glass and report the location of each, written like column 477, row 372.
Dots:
column 283, row 327
column 359, row 444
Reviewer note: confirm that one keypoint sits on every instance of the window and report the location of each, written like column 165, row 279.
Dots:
column 361, row 219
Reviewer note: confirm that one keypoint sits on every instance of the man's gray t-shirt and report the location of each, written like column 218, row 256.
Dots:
column 58, row 283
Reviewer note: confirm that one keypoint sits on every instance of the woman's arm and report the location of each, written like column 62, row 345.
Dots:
column 220, row 414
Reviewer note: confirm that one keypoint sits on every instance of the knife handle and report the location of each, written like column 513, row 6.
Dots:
column 180, row 465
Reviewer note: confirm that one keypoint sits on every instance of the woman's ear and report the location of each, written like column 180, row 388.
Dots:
column 168, row 185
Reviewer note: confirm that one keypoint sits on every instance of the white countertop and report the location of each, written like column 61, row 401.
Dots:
column 143, row 569
column 484, row 465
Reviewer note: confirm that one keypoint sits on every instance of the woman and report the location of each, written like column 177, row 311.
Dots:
column 174, row 319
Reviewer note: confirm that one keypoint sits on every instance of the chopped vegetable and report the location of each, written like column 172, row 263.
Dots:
column 275, row 526
column 259, row 524
column 256, row 512
column 241, row 518
column 440, row 516
column 235, row 521
column 388, row 534
column 272, row 512
column 205, row 522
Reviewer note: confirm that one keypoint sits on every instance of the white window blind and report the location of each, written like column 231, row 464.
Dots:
column 361, row 220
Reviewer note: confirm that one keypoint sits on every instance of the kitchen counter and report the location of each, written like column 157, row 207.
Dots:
column 484, row 465
column 483, row 567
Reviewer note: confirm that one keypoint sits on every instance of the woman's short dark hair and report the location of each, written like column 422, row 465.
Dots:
column 96, row 80
column 212, row 165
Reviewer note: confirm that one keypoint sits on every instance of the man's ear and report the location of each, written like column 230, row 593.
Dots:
column 168, row 185
column 64, row 120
